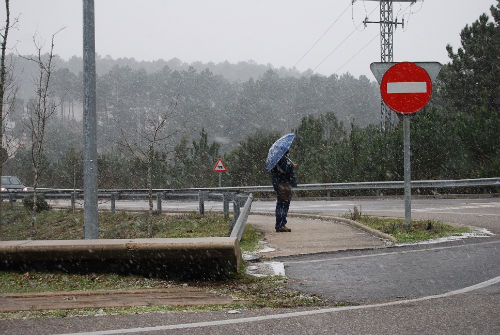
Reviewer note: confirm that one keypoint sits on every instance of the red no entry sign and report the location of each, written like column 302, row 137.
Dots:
column 406, row 88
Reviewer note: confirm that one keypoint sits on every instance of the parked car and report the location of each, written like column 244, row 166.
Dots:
column 13, row 184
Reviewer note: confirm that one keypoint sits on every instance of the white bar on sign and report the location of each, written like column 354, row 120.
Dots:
column 407, row 87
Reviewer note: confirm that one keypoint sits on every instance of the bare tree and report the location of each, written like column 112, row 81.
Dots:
column 7, row 90
column 153, row 134
column 41, row 109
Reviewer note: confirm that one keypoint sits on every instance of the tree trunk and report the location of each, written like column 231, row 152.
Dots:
column 3, row 71
column 74, row 186
column 33, row 210
column 150, row 189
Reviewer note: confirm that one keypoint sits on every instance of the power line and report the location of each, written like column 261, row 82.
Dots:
column 322, row 35
column 342, row 42
column 411, row 13
column 359, row 51
column 335, row 49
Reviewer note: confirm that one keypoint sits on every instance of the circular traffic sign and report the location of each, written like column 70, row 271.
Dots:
column 406, row 88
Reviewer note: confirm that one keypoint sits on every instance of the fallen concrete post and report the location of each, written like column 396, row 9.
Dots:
column 176, row 258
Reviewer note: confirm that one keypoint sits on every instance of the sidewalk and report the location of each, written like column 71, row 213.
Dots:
column 309, row 235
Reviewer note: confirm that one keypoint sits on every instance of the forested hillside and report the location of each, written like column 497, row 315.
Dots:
column 129, row 91
column 208, row 116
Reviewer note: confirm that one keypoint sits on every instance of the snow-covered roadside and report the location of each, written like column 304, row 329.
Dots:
column 475, row 233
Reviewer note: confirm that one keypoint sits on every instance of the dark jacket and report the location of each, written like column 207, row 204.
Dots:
column 283, row 173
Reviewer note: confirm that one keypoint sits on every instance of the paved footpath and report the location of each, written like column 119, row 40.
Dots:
column 311, row 236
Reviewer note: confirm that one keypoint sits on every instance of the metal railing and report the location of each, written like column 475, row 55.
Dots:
column 375, row 185
column 241, row 220
column 217, row 193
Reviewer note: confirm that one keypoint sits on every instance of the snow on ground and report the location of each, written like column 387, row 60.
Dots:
column 476, row 233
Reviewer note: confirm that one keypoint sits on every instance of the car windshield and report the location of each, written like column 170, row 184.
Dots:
column 10, row 181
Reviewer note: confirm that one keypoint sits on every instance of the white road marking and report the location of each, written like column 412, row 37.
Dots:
column 216, row 323
column 455, row 213
column 424, row 210
column 387, row 253
column 451, row 208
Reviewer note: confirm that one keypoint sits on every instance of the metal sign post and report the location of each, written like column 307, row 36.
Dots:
column 406, row 88
column 90, row 216
column 220, row 167
column 407, row 168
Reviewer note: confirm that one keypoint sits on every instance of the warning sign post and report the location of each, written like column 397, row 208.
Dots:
column 220, row 167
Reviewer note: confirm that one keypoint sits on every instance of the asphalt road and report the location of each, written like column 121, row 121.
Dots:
column 373, row 276
column 447, row 288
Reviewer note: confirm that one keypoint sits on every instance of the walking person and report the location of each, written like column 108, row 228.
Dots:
column 283, row 178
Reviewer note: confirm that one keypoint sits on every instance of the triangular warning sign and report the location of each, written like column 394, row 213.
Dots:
column 219, row 166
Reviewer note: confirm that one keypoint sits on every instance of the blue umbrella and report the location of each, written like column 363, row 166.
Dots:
column 278, row 150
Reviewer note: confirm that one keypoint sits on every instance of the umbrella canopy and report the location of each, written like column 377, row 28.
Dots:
column 278, row 150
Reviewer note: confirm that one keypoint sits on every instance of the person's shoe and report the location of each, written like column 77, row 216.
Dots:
column 283, row 229
column 287, row 229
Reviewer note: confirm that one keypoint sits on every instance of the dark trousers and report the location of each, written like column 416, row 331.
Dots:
column 281, row 213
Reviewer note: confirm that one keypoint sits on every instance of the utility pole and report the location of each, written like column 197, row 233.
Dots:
column 90, row 213
column 387, row 25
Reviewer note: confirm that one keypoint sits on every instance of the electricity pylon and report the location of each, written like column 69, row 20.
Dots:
column 387, row 25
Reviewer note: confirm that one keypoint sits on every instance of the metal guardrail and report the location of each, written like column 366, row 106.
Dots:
column 216, row 193
column 239, row 224
column 376, row 185
column 370, row 185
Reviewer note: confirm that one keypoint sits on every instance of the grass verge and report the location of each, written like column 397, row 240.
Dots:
column 419, row 230
column 66, row 225
column 247, row 291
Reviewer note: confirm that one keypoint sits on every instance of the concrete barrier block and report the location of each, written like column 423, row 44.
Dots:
column 207, row 258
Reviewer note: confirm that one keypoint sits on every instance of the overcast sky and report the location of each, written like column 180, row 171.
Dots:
column 277, row 32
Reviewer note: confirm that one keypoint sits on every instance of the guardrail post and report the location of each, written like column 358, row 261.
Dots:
column 225, row 201
column 73, row 202
column 113, row 202
column 158, row 202
column 236, row 210
column 12, row 198
column 201, row 198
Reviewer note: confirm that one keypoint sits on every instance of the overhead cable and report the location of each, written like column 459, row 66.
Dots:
column 322, row 35
column 359, row 51
column 340, row 44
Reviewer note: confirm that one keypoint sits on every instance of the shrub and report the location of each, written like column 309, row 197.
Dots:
column 41, row 204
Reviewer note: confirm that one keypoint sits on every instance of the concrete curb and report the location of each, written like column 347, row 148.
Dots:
column 353, row 223
column 214, row 257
